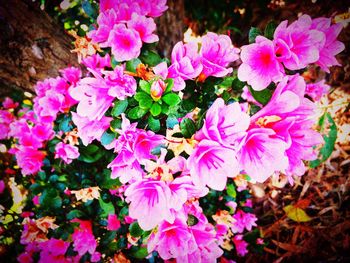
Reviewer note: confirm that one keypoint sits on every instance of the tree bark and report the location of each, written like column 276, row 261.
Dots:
column 32, row 46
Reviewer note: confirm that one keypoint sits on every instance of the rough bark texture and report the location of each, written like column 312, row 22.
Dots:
column 32, row 46
column 170, row 27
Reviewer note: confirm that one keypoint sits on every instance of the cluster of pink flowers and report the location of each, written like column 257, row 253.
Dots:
column 213, row 58
column 124, row 25
column 293, row 47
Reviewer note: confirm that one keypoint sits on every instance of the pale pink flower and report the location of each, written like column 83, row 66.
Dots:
column 225, row 124
column 49, row 105
column 317, row 90
column 88, row 130
column 217, row 53
column 262, row 154
column 29, row 159
column 259, row 65
column 243, row 221
column 66, row 152
column 120, row 85
column 113, row 223
column 149, row 198
column 125, row 43
column 332, row 46
column 241, row 245
column 297, row 45
column 144, row 26
column 211, row 163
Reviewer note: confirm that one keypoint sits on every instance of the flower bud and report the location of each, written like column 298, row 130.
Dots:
column 157, row 89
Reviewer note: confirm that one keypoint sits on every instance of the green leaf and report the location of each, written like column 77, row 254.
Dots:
column 74, row 214
column 135, row 230
column 171, row 121
column 192, row 220
column 156, row 109
column 107, row 138
column 231, row 191
column 329, row 140
column 145, row 100
column 145, row 86
column 150, row 58
column 65, row 124
column 107, row 208
column 131, row 65
column 136, row 113
column 253, row 33
column 270, row 29
column 119, row 107
column 296, row 214
column 91, row 148
column 171, row 99
column 89, row 9
column 188, row 127
column 139, row 252
column 50, row 199
column 154, row 124
column 262, row 96
column 116, row 124
column 169, row 86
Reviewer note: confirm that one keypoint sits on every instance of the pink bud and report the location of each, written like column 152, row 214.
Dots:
column 157, row 89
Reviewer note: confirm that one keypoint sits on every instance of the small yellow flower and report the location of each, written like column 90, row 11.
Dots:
column 87, row 194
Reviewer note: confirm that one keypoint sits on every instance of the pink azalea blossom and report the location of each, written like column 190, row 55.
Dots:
column 332, row 46
column 317, row 90
column 240, row 245
column 217, row 53
column 25, row 258
column 211, row 164
column 157, row 7
column 219, row 128
column 66, row 152
column 120, row 85
column 297, row 45
column 83, row 238
column 243, row 221
column 71, row 74
column 29, row 159
column 125, row 43
column 6, row 118
column 149, row 198
column 56, row 247
column 113, row 222
column 262, row 154
column 144, row 26
column 186, row 64
column 88, row 130
column 259, row 65
column 8, row 103
column 49, row 105
column 43, row 131
column 97, row 63
column 2, row 186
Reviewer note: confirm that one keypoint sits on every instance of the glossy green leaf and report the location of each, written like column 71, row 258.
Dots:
column 150, row 58
column 154, row 124
column 192, row 220
column 253, row 33
column 131, row 65
column 136, row 113
column 135, row 230
column 75, row 214
column 262, row 96
column 139, row 252
column 231, row 191
column 156, row 109
column 270, row 29
column 119, row 107
column 188, row 127
column 107, row 208
column 171, row 99
column 145, row 86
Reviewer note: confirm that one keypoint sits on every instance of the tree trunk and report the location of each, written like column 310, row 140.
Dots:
column 170, row 27
column 32, row 46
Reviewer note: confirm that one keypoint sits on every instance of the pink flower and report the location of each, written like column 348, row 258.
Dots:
column 186, row 64
column 96, row 257
column 157, row 89
column 36, row 200
column 259, row 65
column 243, row 221
column 88, row 130
column 332, row 46
column 218, row 127
column 120, row 85
column 43, row 131
column 157, row 7
column 66, row 152
column 6, row 118
column 125, row 43
column 241, row 245
column 262, row 154
column 97, row 63
column 172, row 240
column 217, row 53
column 29, row 159
column 113, row 223
column 56, row 247
column 317, row 90
column 25, row 258
column 297, row 45
column 49, row 105
column 83, row 238
column 144, row 26
column 8, row 103
column 2, row 186
column 211, row 164
column 71, row 74
column 149, row 198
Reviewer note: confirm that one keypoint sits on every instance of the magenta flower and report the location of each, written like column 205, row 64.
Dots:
column 332, row 46
column 97, row 63
column 71, row 74
column 219, row 128
column 6, row 118
column 157, row 7
column 240, row 245
column 43, row 131
column 49, row 105
column 113, row 223
column 66, row 152
column 217, row 53
column 120, row 85
column 243, row 221
column 83, row 238
column 262, row 154
column 56, row 247
column 211, row 164
column 297, row 45
column 149, row 198
column 144, row 26
column 125, row 43
column 8, row 103
column 2, row 186
column 172, row 240
column 317, row 90
column 88, row 130
column 260, row 65
column 29, row 159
